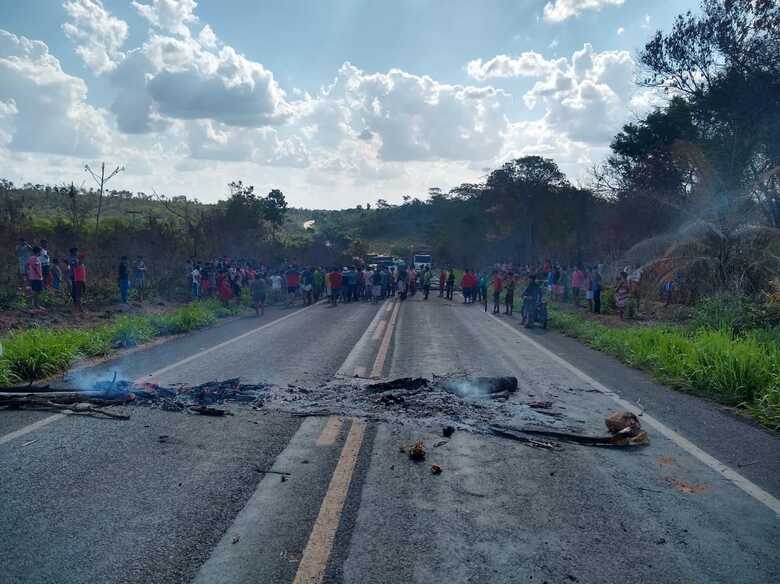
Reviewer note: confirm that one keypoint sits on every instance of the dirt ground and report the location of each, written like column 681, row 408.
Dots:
column 60, row 317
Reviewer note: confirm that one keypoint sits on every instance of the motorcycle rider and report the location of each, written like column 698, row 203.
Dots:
column 532, row 295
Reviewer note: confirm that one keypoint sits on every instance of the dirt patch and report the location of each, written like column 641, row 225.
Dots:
column 68, row 318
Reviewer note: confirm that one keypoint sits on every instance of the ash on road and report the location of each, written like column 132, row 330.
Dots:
column 270, row 495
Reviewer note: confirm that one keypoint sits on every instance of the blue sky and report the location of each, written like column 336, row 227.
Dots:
column 334, row 102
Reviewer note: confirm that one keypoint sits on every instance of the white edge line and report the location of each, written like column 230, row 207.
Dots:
column 30, row 428
column 46, row 421
column 223, row 344
column 746, row 485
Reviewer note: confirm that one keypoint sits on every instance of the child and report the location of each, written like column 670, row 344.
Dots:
column 56, row 275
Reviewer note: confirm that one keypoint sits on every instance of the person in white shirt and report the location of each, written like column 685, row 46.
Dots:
column 276, row 288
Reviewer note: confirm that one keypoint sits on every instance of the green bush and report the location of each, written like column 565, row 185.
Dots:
column 129, row 331
column 184, row 319
column 739, row 370
column 726, row 313
column 37, row 353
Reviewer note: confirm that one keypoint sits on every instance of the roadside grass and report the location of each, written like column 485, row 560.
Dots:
column 738, row 370
column 38, row 353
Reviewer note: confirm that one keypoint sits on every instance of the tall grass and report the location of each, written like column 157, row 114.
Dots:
column 738, row 370
column 38, row 353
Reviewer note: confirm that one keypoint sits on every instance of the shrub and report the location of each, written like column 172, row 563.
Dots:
column 129, row 331
column 184, row 319
column 38, row 353
column 740, row 371
column 725, row 313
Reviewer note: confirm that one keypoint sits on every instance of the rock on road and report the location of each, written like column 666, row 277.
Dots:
column 89, row 500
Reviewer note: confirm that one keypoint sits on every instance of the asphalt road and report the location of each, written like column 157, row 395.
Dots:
column 88, row 500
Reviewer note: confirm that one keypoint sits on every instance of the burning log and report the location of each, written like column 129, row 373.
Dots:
column 408, row 383
column 207, row 411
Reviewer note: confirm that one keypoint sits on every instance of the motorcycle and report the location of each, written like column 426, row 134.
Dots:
column 534, row 312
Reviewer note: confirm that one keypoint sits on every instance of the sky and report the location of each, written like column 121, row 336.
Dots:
column 335, row 102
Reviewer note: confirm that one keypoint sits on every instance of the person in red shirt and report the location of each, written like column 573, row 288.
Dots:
column 334, row 279
column 498, row 287
column 80, row 282
column 293, row 280
column 442, row 282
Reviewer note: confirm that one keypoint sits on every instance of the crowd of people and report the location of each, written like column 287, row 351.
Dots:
column 40, row 271
column 226, row 279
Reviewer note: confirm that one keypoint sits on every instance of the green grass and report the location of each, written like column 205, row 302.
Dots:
column 38, row 353
column 742, row 370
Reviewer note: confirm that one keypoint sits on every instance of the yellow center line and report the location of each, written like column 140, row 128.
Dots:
column 318, row 548
column 379, row 363
column 380, row 328
column 330, row 432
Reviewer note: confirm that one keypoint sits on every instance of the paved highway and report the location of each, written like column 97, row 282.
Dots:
column 89, row 500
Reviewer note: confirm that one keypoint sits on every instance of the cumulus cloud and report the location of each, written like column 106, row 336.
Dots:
column 190, row 81
column 99, row 36
column 528, row 64
column 409, row 117
column 46, row 108
column 586, row 97
column 209, row 140
column 560, row 10
column 172, row 16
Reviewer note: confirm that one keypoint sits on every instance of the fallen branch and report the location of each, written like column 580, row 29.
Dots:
column 510, row 434
column 626, row 437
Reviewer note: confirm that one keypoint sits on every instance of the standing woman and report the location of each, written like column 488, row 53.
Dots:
column 622, row 291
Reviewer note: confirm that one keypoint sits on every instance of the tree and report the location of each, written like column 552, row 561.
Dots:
column 725, row 62
column 518, row 192
column 274, row 208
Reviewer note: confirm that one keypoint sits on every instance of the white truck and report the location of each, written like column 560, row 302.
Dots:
column 420, row 261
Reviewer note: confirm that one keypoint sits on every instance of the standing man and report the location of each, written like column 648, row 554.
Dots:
column 442, row 281
column 465, row 286
column 596, row 285
column 426, row 282
column 23, row 253
column 123, row 279
column 195, row 279
column 45, row 262
column 293, row 281
column 258, row 288
column 34, row 274
column 509, row 297
column 450, row 283
column 577, row 279
column 139, row 277
column 498, row 287
column 307, row 286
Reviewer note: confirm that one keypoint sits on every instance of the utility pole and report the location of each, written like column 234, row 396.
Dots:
column 101, row 183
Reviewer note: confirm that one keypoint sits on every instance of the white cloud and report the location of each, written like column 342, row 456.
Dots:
column 587, row 97
column 560, row 10
column 189, row 81
column 99, row 36
column 208, row 140
column 169, row 15
column 49, row 112
column 409, row 117
column 207, row 38
column 528, row 64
